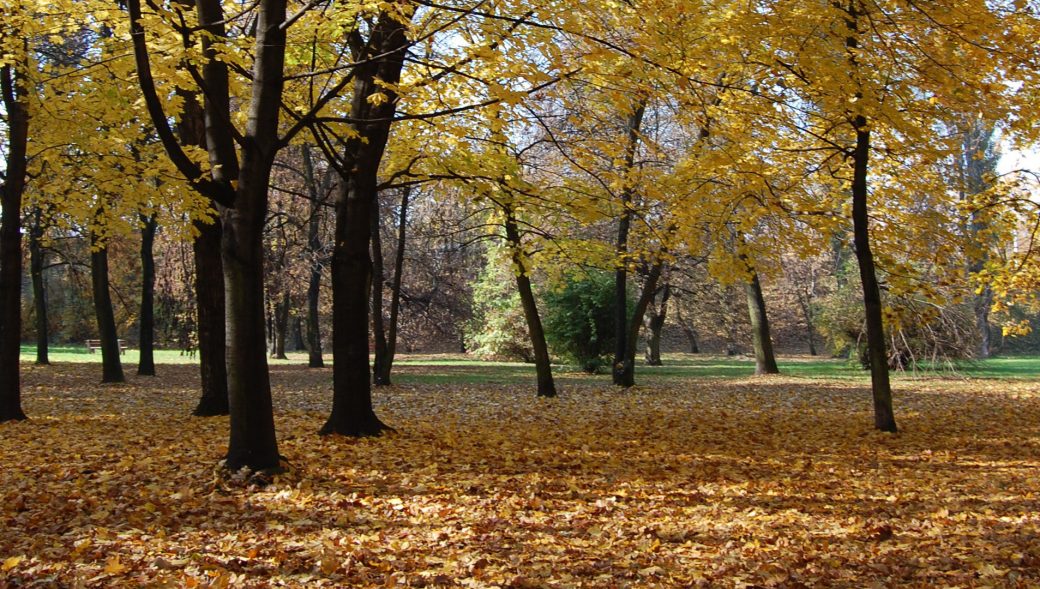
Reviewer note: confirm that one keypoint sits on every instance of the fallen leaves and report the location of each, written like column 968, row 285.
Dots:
column 777, row 483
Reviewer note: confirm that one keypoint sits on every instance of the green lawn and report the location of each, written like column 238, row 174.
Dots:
column 440, row 369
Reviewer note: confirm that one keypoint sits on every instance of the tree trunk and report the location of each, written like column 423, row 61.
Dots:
column 240, row 189
column 15, row 101
column 296, row 334
column 209, row 285
column 543, row 367
column 252, row 442
column 765, row 360
column 649, row 288
column 146, row 364
column 352, row 413
column 623, row 373
column 112, row 367
column 314, row 359
column 884, row 417
column 395, row 285
column 209, row 296
column 39, row 286
column 281, row 327
column 378, row 327
column 655, row 326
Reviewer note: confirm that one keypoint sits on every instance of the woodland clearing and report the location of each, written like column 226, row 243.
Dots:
column 767, row 481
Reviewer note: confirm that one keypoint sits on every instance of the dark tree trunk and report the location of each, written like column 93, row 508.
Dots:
column 281, row 327
column 146, row 364
column 314, row 359
column 209, row 296
column 543, row 367
column 112, row 367
column 296, row 334
column 382, row 350
column 623, row 372
column 352, row 413
column 655, row 326
column 13, row 92
column 240, row 189
column 395, row 285
column 765, row 360
column 252, row 442
column 209, row 285
column 884, row 417
column 39, row 286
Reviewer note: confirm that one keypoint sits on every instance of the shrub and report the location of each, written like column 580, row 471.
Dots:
column 579, row 319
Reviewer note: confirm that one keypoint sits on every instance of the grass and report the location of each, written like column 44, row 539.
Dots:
column 462, row 369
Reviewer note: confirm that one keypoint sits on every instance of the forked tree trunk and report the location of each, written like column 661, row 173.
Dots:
column 239, row 187
column 352, row 412
column 765, row 360
column 39, row 286
column 112, row 367
column 146, row 363
column 627, row 375
column 13, row 90
column 884, row 417
column 543, row 367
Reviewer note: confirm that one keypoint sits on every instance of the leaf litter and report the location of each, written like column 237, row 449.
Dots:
column 768, row 482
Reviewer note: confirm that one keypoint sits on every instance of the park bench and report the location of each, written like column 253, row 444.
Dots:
column 95, row 344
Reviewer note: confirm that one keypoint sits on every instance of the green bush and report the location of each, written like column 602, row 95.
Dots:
column 579, row 319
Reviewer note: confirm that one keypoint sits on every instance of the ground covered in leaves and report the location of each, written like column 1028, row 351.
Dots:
column 729, row 483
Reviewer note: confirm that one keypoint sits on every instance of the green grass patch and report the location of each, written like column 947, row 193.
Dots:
column 462, row 369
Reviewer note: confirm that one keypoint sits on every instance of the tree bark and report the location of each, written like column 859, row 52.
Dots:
column 112, row 367
column 543, row 367
column 884, row 417
column 146, row 343
column 395, row 285
column 209, row 297
column 281, row 327
column 627, row 376
column 352, row 413
column 655, row 326
column 378, row 325
column 13, row 90
column 314, row 359
column 239, row 188
column 622, row 372
column 296, row 334
column 252, row 442
column 765, row 360
column 39, row 286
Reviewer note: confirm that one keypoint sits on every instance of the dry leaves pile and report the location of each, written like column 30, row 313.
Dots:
column 760, row 482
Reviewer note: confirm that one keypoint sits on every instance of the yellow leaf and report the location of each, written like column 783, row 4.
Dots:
column 113, row 566
column 10, row 563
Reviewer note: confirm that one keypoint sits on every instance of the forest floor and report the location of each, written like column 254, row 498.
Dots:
column 682, row 481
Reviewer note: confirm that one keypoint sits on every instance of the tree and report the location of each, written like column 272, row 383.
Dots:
column 146, row 340
column 14, row 90
column 238, row 185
